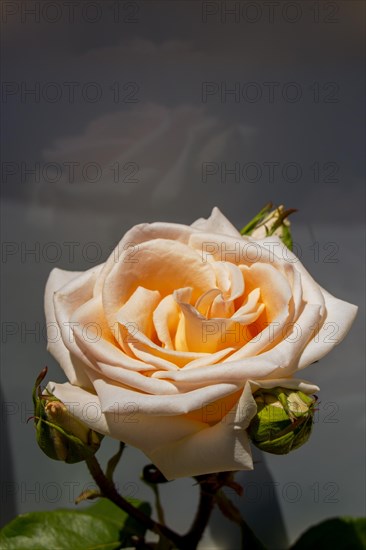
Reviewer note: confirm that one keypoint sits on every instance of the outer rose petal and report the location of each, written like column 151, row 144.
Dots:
column 58, row 280
column 336, row 317
column 223, row 447
column 103, row 347
column 216, row 223
column 338, row 320
column 178, row 445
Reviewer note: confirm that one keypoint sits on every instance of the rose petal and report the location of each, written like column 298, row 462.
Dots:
column 336, row 323
column 178, row 445
column 162, row 265
column 274, row 288
column 204, row 302
column 216, row 223
column 279, row 361
column 65, row 292
column 137, row 312
column 135, row 381
column 143, row 347
column 113, row 396
column 210, row 335
column 166, row 319
column 129, row 244
column 96, row 341
column 283, row 258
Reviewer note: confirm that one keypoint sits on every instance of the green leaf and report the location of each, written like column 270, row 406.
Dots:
column 102, row 526
column 340, row 533
column 104, row 508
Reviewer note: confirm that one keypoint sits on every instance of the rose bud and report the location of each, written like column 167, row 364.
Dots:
column 267, row 223
column 59, row 434
column 151, row 474
column 283, row 421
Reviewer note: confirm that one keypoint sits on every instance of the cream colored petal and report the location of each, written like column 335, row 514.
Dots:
column 113, row 396
column 337, row 321
column 221, row 308
column 279, row 361
column 151, row 355
column 166, row 319
column 236, row 372
column 137, row 313
column 178, row 445
column 161, row 265
column 237, row 283
column 135, row 236
column 222, row 276
column 65, row 292
column 125, row 423
column 130, row 243
column 97, row 342
column 149, row 351
column 284, row 259
column 274, row 288
column 224, row 446
column 83, row 404
column 134, row 381
column 335, row 316
column 289, row 383
column 229, row 279
column 266, row 339
column 210, row 335
column 216, row 223
column 294, row 278
column 208, row 360
column 182, row 295
column 225, row 248
column 204, row 302
column 250, row 303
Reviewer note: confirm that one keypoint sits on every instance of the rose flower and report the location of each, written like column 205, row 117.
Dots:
column 165, row 343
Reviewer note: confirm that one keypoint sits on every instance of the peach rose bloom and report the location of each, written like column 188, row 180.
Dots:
column 164, row 344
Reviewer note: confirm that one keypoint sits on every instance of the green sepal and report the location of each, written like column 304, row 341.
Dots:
column 257, row 220
column 271, row 222
column 58, row 444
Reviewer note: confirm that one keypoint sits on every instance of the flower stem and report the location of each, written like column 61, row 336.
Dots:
column 109, row 490
column 230, row 511
column 210, row 494
column 208, row 490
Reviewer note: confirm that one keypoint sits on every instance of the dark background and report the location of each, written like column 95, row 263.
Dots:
column 117, row 113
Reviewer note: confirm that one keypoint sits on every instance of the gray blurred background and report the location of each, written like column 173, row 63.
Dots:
column 117, row 113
